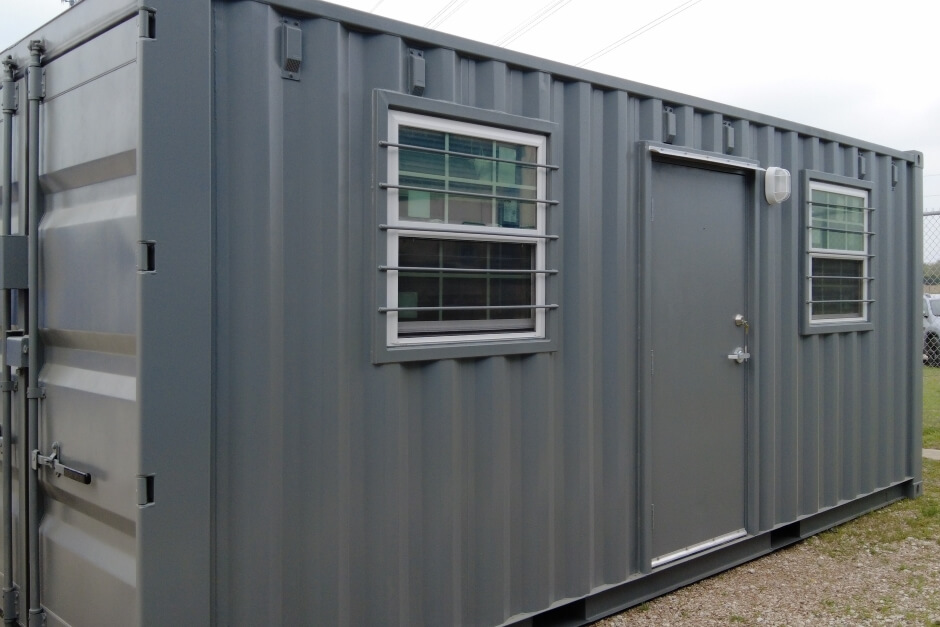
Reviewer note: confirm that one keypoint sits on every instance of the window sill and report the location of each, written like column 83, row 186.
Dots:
column 463, row 350
column 820, row 328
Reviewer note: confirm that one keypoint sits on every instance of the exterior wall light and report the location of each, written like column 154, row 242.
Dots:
column 776, row 185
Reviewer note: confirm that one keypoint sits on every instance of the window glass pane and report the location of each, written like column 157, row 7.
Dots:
column 440, row 288
column 837, row 221
column 468, row 174
column 837, row 288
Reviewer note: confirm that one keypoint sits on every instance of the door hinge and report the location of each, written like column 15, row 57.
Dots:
column 10, row 97
column 36, row 618
column 147, row 257
column 145, row 490
column 147, row 24
column 60, row 469
column 11, row 602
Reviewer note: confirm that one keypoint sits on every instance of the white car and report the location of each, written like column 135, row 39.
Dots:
column 932, row 329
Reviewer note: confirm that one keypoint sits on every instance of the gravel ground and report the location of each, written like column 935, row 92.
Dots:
column 798, row 585
column 873, row 574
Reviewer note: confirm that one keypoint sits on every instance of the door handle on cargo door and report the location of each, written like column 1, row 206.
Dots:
column 60, row 469
column 739, row 355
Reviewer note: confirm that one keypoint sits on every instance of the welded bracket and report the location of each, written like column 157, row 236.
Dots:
column 60, row 469
column 291, row 49
column 35, row 73
column 10, row 98
column 11, row 601
column 147, row 23
column 36, row 618
column 13, row 266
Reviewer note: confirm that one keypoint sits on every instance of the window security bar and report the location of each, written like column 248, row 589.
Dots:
column 386, row 227
column 462, row 270
column 832, row 206
column 835, row 230
column 834, row 253
column 835, row 302
column 451, row 192
column 464, row 155
column 470, row 308
column 829, row 276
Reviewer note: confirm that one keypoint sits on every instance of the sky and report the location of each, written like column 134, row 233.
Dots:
column 863, row 68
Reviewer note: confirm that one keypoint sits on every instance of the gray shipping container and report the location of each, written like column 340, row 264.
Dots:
column 318, row 318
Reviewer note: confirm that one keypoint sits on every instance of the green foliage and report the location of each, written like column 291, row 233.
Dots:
column 932, row 407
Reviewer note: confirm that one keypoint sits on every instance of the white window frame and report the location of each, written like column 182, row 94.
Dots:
column 438, row 231
column 831, row 253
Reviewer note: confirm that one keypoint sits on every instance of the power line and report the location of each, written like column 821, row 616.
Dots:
column 376, row 6
column 646, row 27
column 444, row 14
column 531, row 22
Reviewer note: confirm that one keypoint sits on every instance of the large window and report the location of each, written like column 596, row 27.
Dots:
column 839, row 235
column 466, row 232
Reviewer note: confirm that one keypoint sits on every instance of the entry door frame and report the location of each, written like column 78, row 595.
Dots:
column 649, row 153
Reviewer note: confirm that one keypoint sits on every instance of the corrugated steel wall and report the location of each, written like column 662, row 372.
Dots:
column 470, row 491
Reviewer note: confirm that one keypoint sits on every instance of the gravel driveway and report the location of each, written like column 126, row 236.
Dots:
column 874, row 574
column 799, row 586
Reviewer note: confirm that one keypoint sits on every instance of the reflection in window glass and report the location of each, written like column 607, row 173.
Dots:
column 473, row 190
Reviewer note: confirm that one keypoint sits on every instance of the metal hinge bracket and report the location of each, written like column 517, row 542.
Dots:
column 291, row 49
column 35, row 80
column 145, row 496
column 147, row 257
column 11, row 98
column 147, row 23
column 11, row 601
column 53, row 461
column 37, row 618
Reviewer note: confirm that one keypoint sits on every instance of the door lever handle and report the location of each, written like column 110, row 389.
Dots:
column 54, row 462
column 739, row 355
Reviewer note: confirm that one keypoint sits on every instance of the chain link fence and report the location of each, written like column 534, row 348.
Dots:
column 932, row 288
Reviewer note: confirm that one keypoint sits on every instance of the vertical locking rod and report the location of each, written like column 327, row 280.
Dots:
column 10, row 609
column 34, row 88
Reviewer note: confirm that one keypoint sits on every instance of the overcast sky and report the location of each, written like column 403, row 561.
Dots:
column 864, row 68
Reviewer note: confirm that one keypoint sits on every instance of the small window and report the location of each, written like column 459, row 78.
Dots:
column 838, row 254
column 466, row 232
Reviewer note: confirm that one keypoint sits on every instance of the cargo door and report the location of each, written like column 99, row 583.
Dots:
column 83, row 451
column 698, row 314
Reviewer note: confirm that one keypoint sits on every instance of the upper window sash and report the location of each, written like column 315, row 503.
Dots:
column 835, row 225
column 465, row 187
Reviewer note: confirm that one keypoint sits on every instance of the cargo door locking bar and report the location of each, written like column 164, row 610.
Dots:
column 60, row 469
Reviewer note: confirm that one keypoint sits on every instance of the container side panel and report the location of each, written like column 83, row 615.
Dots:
column 246, row 250
column 481, row 490
column 780, row 382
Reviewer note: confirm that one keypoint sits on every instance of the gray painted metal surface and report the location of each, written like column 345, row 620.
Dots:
column 209, row 297
column 699, row 223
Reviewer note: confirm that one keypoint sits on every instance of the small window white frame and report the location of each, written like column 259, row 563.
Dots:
column 813, row 253
column 397, row 119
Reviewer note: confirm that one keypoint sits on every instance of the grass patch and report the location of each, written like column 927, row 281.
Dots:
column 931, row 407
column 910, row 518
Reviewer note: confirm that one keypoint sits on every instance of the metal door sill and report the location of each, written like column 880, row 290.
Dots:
column 698, row 548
